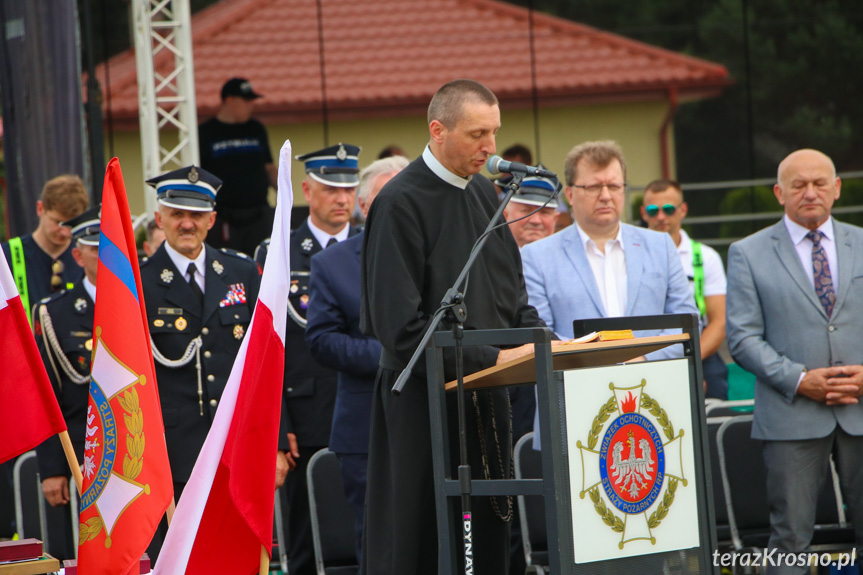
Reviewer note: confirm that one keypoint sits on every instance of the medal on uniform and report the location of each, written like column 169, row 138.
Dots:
column 88, row 345
column 218, row 268
column 80, row 304
column 239, row 331
column 181, row 323
column 167, row 276
column 158, row 322
column 294, row 287
column 304, row 301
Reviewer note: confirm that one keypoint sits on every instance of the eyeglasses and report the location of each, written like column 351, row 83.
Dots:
column 595, row 189
column 57, row 269
column 652, row 210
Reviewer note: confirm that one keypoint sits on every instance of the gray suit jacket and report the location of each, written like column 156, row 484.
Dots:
column 776, row 327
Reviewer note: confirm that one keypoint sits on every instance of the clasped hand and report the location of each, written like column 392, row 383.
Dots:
column 838, row 385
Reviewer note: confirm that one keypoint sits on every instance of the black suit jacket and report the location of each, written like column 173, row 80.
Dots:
column 71, row 316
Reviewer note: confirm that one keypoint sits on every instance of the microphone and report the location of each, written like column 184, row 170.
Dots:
column 497, row 165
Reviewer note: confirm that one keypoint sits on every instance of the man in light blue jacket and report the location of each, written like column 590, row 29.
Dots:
column 600, row 267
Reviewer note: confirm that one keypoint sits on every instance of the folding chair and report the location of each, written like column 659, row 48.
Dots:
column 528, row 465
column 744, row 481
column 279, row 530
column 332, row 517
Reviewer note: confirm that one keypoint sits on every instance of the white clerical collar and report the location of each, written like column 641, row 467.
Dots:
column 587, row 241
column 798, row 233
column 441, row 172
column 182, row 262
column 91, row 289
column 323, row 237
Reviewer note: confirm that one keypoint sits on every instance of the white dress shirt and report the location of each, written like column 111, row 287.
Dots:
column 324, row 238
column 182, row 263
column 91, row 289
column 609, row 271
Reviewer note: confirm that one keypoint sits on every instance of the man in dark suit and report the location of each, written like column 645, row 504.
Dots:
column 199, row 304
column 63, row 325
column 795, row 306
column 310, row 388
column 334, row 338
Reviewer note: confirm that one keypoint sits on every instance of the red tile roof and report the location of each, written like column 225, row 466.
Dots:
column 387, row 58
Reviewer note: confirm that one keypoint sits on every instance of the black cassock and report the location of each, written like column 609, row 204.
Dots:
column 418, row 236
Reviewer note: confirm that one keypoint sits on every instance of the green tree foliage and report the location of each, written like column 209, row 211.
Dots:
column 796, row 78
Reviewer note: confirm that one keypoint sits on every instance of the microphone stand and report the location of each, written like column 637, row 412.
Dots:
column 453, row 307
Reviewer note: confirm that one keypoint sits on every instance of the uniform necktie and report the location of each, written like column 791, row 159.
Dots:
column 332, row 242
column 821, row 272
column 193, row 283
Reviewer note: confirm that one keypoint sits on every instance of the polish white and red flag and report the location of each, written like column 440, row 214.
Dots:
column 225, row 515
column 29, row 413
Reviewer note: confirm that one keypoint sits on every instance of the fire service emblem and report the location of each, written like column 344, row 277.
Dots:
column 628, row 442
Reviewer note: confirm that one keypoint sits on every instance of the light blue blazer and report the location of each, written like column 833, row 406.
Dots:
column 561, row 286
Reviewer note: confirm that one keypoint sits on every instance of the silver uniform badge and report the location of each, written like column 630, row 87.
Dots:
column 167, row 276
column 307, row 245
column 193, row 175
column 80, row 304
column 218, row 267
column 341, row 154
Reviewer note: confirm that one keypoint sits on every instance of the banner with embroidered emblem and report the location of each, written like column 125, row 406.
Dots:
column 127, row 479
column 236, row 294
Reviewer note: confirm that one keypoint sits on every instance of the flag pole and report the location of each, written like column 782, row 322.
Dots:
column 72, row 460
column 265, row 561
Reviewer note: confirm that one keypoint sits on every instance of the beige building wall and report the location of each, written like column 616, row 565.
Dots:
column 635, row 126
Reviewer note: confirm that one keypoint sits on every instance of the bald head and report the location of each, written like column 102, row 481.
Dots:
column 807, row 186
column 806, row 156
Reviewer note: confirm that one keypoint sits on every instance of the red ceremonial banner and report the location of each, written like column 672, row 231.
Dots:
column 127, row 478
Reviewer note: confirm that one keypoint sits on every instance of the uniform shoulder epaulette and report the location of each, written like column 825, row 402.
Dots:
column 53, row 297
column 235, row 253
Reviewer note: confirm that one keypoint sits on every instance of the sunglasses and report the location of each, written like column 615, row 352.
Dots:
column 652, row 210
column 57, row 280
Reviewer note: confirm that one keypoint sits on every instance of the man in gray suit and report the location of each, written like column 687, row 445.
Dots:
column 795, row 307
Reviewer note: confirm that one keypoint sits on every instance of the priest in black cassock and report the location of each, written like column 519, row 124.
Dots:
column 418, row 236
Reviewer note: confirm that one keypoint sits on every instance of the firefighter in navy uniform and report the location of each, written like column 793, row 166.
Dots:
column 199, row 304
column 63, row 325
column 310, row 389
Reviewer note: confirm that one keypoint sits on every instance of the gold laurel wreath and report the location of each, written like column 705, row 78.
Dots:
column 604, row 413
column 608, row 517
column 133, row 461
column 661, row 416
column 657, row 516
column 89, row 529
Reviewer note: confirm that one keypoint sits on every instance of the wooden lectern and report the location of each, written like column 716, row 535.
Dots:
column 625, row 460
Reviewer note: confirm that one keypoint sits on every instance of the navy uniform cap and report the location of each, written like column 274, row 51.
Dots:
column 535, row 191
column 190, row 188
column 334, row 166
column 85, row 228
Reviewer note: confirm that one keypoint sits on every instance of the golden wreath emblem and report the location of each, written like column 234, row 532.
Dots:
column 639, row 468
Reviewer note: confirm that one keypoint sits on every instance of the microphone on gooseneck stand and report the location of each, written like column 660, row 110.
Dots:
column 497, row 165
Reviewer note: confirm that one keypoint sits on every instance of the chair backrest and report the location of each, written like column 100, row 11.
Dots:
column 528, row 465
column 729, row 408
column 28, row 497
column 723, row 532
column 332, row 517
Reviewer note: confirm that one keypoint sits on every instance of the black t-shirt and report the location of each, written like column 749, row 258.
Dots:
column 237, row 154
